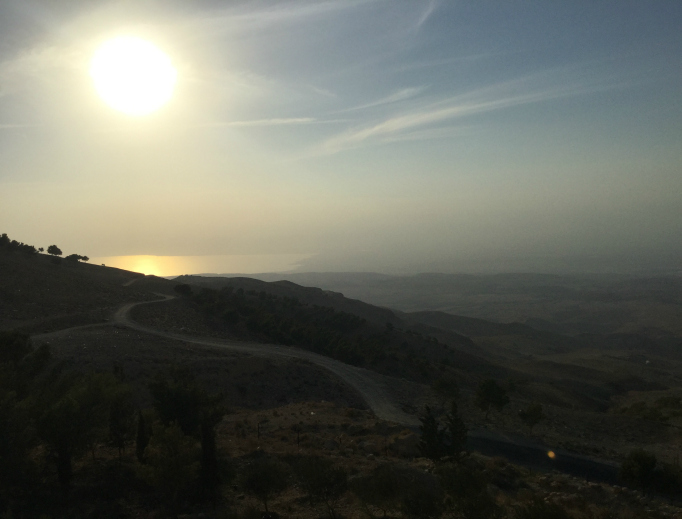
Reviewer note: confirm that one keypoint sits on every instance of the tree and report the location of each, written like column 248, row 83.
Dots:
column 539, row 509
column 532, row 415
column 121, row 417
column 446, row 388
column 422, row 495
column 69, row 421
column 381, row 488
column 172, row 463
column 179, row 400
column 393, row 487
column 455, row 432
column 142, row 437
column 76, row 257
column 638, row 468
column 264, row 478
column 54, row 250
column 467, row 489
column 437, row 442
column 321, row 481
column 490, row 394
column 431, row 441
column 183, row 289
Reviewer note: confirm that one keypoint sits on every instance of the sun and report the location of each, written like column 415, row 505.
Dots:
column 132, row 75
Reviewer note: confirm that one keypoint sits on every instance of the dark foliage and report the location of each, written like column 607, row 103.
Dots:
column 490, row 394
column 437, row 442
column 264, row 478
column 532, row 415
column 638, row 468
column 76, row 257
column 466, row 487
column 179, row 400
column 142, row 437
column 54, row 250
column 321, row 481
column 539, row 509
column 390, row 487
column 14, row 245
column 337, row 334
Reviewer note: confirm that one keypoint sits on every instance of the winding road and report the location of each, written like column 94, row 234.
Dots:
column 362, row 380
column 516, row 449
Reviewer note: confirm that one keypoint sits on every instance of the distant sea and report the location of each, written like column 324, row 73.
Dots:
column 171, row 266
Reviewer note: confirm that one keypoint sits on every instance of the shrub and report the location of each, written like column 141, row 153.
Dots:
column 638, row 468
column 264, row 478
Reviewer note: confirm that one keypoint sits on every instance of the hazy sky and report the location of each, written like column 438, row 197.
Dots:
column 374, row 135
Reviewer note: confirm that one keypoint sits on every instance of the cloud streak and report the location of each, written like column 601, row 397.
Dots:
column 400, row 95
column 276, row 122
column 487, row 99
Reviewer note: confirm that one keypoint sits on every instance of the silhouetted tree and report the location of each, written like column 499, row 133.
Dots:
column 467, row 489
column 54, row 250
column 264, row 478
column 76, row 257
column 532, row 415
column 184, row 289
column 71, row 420
column 172, row 463
column 637, row 469
column 539, row 509
column 121, row 417
column 321, row 481
column 178, row 399
column 391, row 487
column 431, row 442
column 455, row 432
column 142, row 437
column 382, row 488
column 490, row 394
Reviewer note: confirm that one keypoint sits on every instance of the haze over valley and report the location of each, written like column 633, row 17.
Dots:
column 345, row 258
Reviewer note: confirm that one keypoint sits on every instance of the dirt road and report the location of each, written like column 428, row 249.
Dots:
column 362, row 380
column 374, row 393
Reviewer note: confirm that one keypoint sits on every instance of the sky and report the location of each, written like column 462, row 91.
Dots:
column 393, row 136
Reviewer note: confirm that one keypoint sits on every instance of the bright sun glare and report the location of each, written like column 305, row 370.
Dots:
column 132, row 75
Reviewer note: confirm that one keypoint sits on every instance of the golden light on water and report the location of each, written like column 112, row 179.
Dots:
column 551, row 455
column 217, row 264
column 132, row 75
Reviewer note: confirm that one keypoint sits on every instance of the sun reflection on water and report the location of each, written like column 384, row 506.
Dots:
column 220, row 264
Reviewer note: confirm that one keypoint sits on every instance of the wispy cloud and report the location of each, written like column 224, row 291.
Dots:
column 487, row 99
column 11, row 126
column 433, row 5
column 275, row 14
column 400, row 95
column 273, row 122
column 276, row 122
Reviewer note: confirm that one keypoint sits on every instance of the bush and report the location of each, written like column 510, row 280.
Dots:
column 638, row 468
column 467, row 491
column 391, row 487
column 264, row 478
column 321, row 480
column 172, row 463
column 538, row 509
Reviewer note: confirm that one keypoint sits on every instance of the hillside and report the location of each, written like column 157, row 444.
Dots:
column 601, row 395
